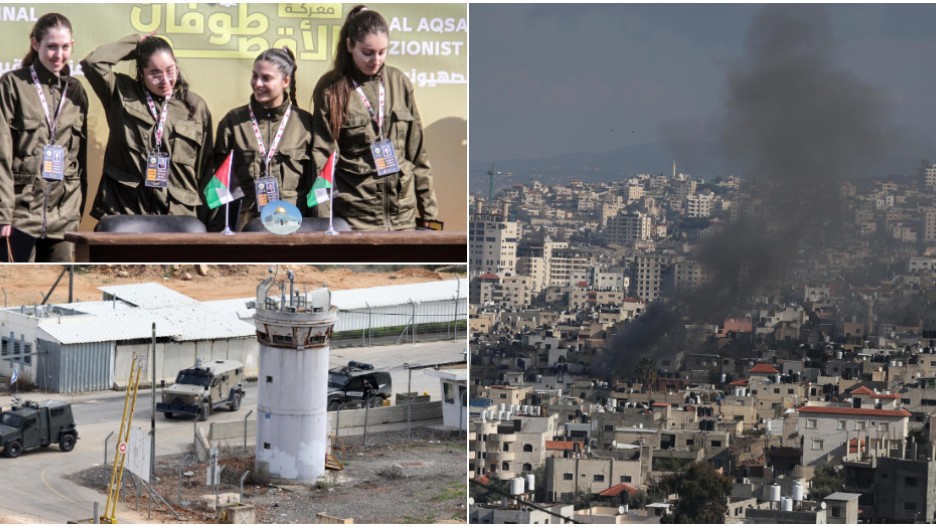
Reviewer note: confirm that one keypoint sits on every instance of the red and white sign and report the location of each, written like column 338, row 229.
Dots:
column 122, row 448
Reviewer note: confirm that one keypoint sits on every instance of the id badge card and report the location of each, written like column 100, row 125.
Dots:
column 267, row 191
column 53, row 162
column 157, row 170
column 385, row 158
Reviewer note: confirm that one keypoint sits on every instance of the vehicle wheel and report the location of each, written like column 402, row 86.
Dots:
column 168, row 415
column 377, row 402
column 203, row 412
column 13, row 449
column 67, row 443
column 235, row 404
column 333, row 405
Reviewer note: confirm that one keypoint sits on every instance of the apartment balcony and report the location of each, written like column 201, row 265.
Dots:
column 502, row 438
column 502, row 456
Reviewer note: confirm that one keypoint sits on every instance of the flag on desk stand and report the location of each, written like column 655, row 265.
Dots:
column 223, row 189
column 324, row 190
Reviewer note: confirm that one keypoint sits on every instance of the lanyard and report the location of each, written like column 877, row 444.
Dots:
column 267, row 157
column 377, row 118
column 160, row 118
column 52, row 121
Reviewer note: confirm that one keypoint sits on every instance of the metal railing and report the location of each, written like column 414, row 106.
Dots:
column 407, row 322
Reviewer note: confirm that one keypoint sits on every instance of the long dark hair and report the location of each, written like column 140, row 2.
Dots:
column 145, row 51
column 39, row 31
column 361, row 22
column 285, row 61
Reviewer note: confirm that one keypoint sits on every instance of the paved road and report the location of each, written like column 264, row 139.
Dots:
column 32, row 487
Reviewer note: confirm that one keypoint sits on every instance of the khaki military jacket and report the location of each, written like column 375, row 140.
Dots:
column 132, row 137
column 291, row 164
column 34, row 205
column 366, row 201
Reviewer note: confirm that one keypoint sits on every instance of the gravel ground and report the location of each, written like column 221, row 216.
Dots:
column 428, row 487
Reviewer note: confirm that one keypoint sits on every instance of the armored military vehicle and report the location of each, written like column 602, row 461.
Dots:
column 356, row 383
column 31, row 425
column 204, row 387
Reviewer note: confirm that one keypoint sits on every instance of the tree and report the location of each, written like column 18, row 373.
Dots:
column 647, row 372
column 703, row 495
column 826, row 480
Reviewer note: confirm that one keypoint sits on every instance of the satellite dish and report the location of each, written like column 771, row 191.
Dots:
column 621, row 509
column 822, row 505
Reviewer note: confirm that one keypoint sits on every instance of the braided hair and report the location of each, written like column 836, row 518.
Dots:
column 285, row 61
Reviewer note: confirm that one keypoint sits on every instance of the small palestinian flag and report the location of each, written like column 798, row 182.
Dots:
column 323, row 183
column 223, row 188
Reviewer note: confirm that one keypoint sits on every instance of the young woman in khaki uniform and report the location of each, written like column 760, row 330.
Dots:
column 144, row 128
column 43, row 111
column 348, row 117
column 281, row 152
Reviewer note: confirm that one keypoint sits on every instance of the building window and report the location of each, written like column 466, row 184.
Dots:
column 841, row 424
column 598, row 478
column 909, row 506
column 527, row 447
column 911, row 482
column 716, row 444
column 567, row 477
column 817, row 444
column 625, row 479
column 882, row 427
column 448, row 390
column 811, row 423
column 502, row 395
column 776, row 390
column 860, row 425
column 527, row 467
column 836, row 512
column 790, row 391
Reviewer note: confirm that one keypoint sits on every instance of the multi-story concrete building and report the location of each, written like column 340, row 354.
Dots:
column 568, row 266
column 566, row 476
column 700, row 205
column 490, row 289
column 629, row 228
column 688, row 276
column 647, row 276
column 492, row 242
column 929, row 226
column 504, row 449
column 827, row 429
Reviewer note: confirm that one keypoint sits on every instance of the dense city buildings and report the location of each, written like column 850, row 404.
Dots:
column 624, row 338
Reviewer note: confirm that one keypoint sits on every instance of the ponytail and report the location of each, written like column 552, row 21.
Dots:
column 285, row 61
column 40, row 29
column 360, row 23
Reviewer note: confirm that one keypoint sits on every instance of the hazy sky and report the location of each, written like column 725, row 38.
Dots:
column 554, row 79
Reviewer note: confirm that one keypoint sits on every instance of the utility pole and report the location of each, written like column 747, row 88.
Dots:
column 152, row 477
column 71, row 283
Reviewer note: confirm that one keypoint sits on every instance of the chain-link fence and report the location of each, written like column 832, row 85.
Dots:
column 405, row 322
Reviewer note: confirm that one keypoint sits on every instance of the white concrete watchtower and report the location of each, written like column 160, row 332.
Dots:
column 293, row 330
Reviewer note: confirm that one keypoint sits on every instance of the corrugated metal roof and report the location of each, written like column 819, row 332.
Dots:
column 202, row 322
column 392, row 295
column 106, row 328
column 149, row 295
column 235, row 307
column 97, row 308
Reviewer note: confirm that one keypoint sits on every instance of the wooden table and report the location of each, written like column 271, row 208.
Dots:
column 247, row 247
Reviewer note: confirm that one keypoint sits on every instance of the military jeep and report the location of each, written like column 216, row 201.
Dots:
column 31, row 425
column 204, row 387
column 357, row 383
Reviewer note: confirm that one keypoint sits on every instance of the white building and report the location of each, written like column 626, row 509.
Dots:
column 492, row 242
column 454, row 396
column 827, row 429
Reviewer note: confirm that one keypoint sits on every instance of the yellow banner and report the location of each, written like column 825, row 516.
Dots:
column 217, row 43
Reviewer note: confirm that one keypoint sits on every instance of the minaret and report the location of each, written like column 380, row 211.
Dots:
column 292, row 419
column 674, row 169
